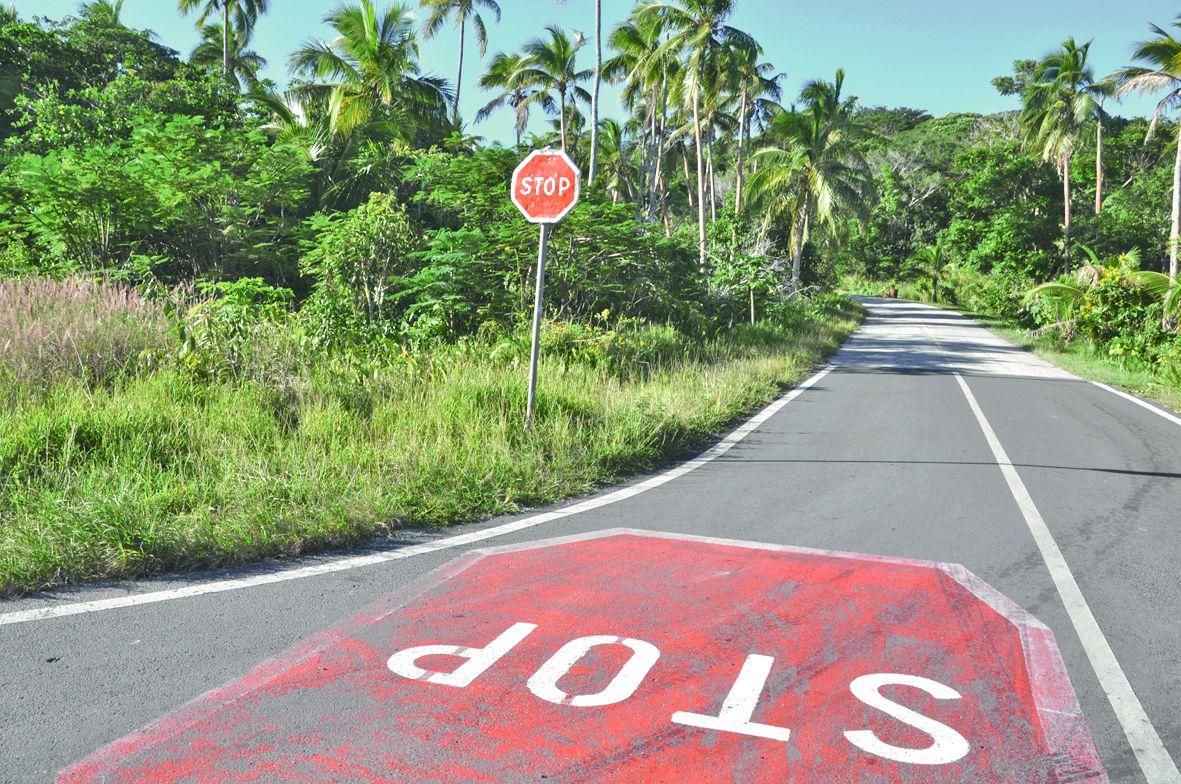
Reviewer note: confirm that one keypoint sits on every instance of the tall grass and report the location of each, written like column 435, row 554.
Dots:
column 170, row 471
column 55, row 330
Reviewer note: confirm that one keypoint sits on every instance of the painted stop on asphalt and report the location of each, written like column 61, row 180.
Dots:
column 641, row 657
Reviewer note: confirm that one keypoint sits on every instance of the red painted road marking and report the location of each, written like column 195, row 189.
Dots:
column 638, row 657
column 546, row 186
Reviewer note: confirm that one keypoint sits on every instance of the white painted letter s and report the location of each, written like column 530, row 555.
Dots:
column 949, row 746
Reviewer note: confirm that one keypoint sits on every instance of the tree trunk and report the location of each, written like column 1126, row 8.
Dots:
column 459, row 73
column 225, row 39
column 1176, row 225
column 1066, row 215
column 688, row 178
column 701, row 177
column 1099, row 165
column 751, row 288
column 713, row 196
column 741, row 150
column 594, row 154
column 562, row 114
column 797, row 251
column 658, row 173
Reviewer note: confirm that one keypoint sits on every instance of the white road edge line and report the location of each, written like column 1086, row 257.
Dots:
column 344, row 564
column 1158, row 411
column 1154, row 759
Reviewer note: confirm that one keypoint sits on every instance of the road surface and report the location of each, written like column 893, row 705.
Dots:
column 894, row 451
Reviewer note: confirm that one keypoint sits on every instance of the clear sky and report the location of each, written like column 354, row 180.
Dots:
column 937, row 55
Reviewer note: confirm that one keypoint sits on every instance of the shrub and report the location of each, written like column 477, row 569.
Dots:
column 354, row 261
column 239, row 329
column 1169, row 363
column 52, row 331
column 1001, row 294
column 1114, row 306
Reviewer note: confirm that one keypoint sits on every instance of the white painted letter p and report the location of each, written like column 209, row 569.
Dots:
column 404, row 663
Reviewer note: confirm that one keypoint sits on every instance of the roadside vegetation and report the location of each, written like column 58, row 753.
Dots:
column 1057, row 221
column 242, row 321
column 118, row 463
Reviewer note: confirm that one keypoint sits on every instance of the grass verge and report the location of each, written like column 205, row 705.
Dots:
column 164, row 472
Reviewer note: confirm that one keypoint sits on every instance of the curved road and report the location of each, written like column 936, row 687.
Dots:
column 895, row 451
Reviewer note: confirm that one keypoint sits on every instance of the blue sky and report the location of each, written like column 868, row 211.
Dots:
column 938, row 55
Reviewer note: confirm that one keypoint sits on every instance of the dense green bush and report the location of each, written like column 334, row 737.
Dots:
column 107, row 181
column 356, row 261
column 1114, row 306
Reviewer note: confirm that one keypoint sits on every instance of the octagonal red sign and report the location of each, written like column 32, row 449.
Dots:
column 546, row 186
column 638, row 657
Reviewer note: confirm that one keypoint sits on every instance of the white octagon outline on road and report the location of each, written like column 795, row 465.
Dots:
column 548, row 152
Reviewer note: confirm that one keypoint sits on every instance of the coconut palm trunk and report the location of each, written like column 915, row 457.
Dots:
column 459, row 71
column 594, row 153
column 1175, row 231
column 562, row 114
column 797, row 251
column 741, row 151
column 1098, row 165
column 225, row 38
column 1066, row 215
column 710, row 179
column 701, row 177
column 658, row 173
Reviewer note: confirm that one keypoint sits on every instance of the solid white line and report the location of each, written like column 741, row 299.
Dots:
column 1154, row 759
column 1158, row 411
column 344, row 564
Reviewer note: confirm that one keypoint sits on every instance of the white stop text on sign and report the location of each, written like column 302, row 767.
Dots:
column 737, row 707
column 544, row 186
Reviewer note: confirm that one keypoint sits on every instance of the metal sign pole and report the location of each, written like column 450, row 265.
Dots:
column 537, row 309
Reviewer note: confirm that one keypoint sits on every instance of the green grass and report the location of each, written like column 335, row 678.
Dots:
column 164, row 472
column 1086, row 362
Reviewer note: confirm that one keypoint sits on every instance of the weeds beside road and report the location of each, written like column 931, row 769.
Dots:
column 161, row 469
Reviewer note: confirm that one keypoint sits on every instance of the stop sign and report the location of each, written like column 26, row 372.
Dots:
column 638, row 657
column 545, row 186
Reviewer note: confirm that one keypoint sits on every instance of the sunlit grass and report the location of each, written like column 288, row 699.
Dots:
column 163, row 472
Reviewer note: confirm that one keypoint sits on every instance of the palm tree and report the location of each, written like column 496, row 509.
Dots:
column 244, row 63
column 347, row 168
column 614, row 162
column 757, row 84
column 551, row 66
column 931, row 262
column 646, row 73
column 108, row 11
column 699, row 34
column 813, row 171
column 1166, row 289
column 1163, row 55
column 462, row 10
column 370, row 68
column 504, row 74
column 243, row 13
column 1059, row 102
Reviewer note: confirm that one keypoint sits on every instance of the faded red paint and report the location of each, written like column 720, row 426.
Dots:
column 331, row 709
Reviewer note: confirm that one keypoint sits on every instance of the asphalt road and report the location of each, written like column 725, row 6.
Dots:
column 883, row 455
